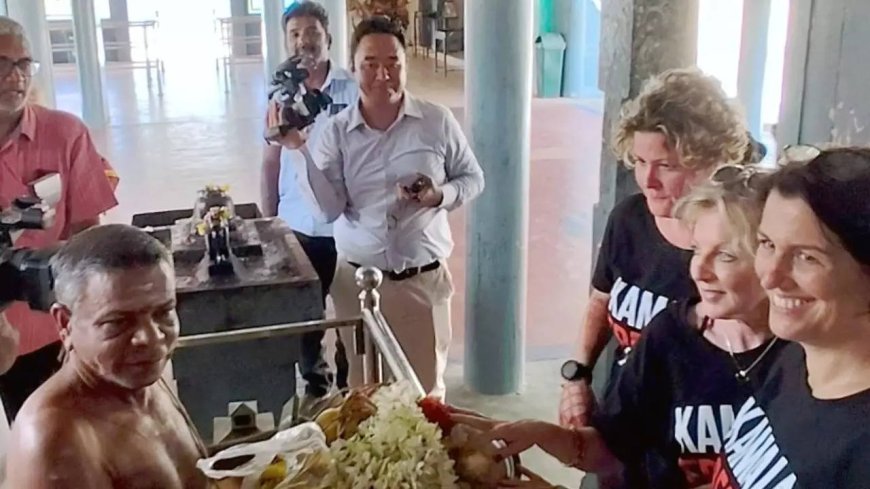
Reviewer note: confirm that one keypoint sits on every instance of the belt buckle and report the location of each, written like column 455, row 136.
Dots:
column 395, row 275
column 405, row 274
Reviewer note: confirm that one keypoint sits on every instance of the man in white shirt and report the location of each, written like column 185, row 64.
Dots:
column 306, row 34
column 387, row 171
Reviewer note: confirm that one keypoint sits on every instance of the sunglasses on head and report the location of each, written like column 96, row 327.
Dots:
column 799, row 153
column 742, row 177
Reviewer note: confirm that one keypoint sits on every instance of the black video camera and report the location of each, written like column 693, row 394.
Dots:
column 299, row 105
column 25, row 274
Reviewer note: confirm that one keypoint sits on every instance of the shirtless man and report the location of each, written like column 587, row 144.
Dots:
column 107, row 419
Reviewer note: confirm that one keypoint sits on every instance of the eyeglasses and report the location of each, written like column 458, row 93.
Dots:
column 799, row 153
column 747, row 178
column 27, row 66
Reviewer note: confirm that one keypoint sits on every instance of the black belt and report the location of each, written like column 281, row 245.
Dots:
column 406, row 273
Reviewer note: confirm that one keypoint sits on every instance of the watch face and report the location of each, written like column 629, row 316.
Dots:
column 570, row 370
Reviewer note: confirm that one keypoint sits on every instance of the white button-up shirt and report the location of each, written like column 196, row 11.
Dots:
column 353, row 173
column 293, row 207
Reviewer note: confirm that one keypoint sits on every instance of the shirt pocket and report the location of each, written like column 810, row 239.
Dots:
column 26, row 166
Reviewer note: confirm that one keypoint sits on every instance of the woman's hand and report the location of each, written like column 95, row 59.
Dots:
column 519, row 436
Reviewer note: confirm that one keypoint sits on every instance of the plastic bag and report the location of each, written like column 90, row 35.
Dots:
column 294, row 445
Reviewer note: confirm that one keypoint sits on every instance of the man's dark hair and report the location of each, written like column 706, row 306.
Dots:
column 306, row 9
column 835, row 185
column 102, row 249
column 375, row 25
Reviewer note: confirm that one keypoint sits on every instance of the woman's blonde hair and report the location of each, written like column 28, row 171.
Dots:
column 740, row 205
column 690, row 108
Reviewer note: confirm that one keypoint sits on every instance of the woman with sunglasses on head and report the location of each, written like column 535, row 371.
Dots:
column 673, row 135
column 808, row 425
column 695, row 364
column 700, row 359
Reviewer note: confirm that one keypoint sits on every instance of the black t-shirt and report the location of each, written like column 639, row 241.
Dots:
column 675, row 399
column 785, row 438
column 640, row 270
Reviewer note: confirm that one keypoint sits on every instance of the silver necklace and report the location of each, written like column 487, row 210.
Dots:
column 743, row 373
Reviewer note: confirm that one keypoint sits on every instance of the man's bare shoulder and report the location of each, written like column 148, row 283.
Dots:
column 50, row 447
column 46, row 423
column 52, row 443
column 60, row 394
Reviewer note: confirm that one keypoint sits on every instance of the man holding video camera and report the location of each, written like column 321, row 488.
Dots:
column 40, row 145
column 306, row 35
column 387, row 171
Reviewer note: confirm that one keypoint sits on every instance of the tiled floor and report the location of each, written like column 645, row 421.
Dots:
column 166, row 148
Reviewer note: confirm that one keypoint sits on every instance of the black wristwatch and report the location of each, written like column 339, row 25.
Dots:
column 573, row 370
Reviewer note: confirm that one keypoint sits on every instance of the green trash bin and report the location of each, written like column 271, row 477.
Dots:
column 549, row 56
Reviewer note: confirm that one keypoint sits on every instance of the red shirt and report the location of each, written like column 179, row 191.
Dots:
column 50, row 141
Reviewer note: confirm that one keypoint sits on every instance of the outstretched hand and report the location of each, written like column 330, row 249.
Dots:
column 517, row 436
column 566, row 445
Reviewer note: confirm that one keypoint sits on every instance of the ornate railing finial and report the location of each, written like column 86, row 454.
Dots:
column 369, row 279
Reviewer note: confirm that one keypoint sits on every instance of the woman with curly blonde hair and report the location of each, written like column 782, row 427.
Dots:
column 673, row 135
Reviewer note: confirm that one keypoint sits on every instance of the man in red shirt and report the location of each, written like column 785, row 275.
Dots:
column 35, row 142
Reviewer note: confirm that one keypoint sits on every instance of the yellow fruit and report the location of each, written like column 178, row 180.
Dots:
column 277, row 471
column 330, row 422
column 331, row 431
column 327, row 417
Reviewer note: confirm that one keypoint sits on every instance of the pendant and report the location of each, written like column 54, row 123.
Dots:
column 742, row 376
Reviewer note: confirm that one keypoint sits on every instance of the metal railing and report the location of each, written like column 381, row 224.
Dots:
column 374, row 339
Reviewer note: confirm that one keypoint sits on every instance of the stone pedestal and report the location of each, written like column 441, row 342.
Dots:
column 276, row 286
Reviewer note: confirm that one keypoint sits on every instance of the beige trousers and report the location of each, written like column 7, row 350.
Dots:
column 418, row 310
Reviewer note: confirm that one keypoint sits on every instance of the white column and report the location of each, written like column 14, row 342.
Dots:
column 498, row 97
column 273, row 36
column 31, row 14
column 753, row 59
column 337, row 11
column 88, row 63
